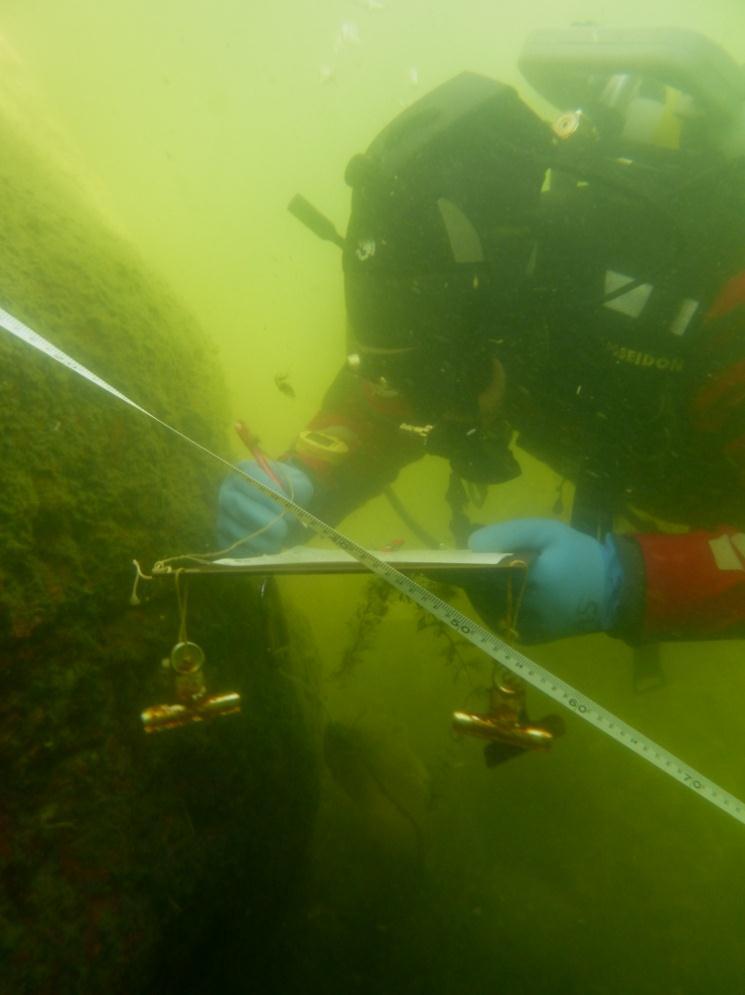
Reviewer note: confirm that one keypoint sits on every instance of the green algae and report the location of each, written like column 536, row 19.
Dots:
column 117, row 851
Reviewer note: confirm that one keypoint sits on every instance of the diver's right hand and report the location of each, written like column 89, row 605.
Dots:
column 245, row 513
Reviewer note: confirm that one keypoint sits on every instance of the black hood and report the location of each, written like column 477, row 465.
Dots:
column 441, row 232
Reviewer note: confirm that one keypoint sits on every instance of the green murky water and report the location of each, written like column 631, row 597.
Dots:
column 582, row 870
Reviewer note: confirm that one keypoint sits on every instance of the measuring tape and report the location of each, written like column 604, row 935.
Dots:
column 494, row 647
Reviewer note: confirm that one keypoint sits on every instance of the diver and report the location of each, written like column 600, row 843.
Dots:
column 575, row 288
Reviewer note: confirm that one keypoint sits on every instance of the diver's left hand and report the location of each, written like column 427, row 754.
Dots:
column 573, row 585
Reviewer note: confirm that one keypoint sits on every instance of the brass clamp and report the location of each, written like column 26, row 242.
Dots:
column 193, row 703
column 506, row 725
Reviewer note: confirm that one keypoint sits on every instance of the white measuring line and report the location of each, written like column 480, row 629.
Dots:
column 484, row 639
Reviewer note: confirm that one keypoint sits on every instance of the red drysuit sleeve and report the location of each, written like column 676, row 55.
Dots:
column 695, row 583
column 367, row 421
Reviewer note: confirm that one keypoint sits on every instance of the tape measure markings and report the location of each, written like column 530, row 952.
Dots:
column 542, row 679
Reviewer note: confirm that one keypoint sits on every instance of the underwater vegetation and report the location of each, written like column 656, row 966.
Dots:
column 118, row 852
column 379, row 596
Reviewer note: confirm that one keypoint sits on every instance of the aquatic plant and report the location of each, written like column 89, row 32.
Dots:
column 378, row 598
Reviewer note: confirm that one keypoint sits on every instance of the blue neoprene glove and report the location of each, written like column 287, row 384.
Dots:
column 573, row 585
column 242, row 509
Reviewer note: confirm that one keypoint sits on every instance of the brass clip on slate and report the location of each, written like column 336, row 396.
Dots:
column 193, row 703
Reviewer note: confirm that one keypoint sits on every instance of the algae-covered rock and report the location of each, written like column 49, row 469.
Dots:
column 127, row 862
